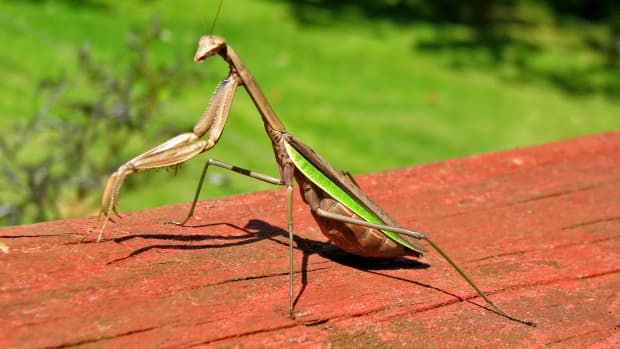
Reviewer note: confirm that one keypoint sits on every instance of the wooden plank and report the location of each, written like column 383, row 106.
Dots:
column 537, row 227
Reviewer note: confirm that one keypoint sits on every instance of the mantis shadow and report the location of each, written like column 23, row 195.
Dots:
column 257, row 230
column 251, row 236
column 329, row 251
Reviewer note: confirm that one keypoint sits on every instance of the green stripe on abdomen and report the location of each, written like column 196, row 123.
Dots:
column 335, row 191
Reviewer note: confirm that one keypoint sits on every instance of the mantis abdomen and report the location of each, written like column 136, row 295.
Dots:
column 353, row 238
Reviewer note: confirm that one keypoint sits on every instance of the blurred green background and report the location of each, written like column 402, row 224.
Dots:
column 371, row 85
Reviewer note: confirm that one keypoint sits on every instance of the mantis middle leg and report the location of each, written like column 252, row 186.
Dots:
column 286, row 180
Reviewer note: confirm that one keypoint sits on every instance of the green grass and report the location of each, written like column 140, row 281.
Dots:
column 359, row 92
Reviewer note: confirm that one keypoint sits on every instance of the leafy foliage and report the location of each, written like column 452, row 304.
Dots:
column 56, row 159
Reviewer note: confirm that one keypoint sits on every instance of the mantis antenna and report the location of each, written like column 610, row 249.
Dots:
column 217, row 14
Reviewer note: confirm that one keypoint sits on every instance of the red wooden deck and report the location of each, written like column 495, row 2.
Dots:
column 538, row 228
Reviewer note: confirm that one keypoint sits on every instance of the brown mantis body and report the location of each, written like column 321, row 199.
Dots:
column 346, row 215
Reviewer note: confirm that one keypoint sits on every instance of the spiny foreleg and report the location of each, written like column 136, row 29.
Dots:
column 176, row 150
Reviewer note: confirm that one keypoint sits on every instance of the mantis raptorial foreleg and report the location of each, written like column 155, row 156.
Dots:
column 176, row 150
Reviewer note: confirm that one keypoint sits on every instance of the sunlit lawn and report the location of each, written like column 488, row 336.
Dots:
column 359, row 92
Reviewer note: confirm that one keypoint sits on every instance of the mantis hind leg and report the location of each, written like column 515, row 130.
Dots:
column 421, row 236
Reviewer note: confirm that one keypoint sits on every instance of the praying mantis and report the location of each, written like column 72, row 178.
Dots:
column 345, row 214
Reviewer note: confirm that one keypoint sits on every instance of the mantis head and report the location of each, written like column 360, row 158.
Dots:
column 209, row 45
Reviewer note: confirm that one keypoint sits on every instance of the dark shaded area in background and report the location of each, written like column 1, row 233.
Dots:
column 496, row 37
column 93, row 4
column 497, row 34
